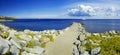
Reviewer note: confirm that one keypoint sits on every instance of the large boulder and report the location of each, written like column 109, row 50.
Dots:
column 4, row 46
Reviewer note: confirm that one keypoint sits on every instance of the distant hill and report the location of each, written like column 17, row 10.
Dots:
column 6, row 18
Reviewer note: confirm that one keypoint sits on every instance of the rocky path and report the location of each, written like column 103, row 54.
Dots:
column 63, row 44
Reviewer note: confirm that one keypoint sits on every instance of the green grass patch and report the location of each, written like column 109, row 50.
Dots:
column 109, row 46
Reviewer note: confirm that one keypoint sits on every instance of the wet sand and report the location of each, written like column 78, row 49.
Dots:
column 63, row 43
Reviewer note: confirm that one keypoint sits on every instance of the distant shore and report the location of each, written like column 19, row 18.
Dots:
column 6, row 18
column 1, row 20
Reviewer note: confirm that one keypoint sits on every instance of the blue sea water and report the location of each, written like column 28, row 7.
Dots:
column 91, row 25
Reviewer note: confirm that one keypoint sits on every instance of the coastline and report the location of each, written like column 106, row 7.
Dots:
column 72, row 40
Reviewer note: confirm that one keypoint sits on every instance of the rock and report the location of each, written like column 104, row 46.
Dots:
column 44, row 40
column 112, row 32
column 96, row 34
column 81, row 49
column 83, row 43
column 99, row 54
column 75, row 50
column 25, row 37
column 11, row 33
column 23, row 43
column 27, row 31
column 95, row 51
column 19, row 42
column 77, row 42
column 26, row 53
column 88, row 34
column 3, row 27
column 4, row 46
column 35, row 38
column 35, row 50
column 14, row 50
column 104, row 36
column 15, row 42
column 85, row 53
column 81, row 37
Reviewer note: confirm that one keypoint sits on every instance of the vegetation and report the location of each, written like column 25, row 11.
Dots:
column 17, row 36
column 4, row 34
column 45, row 39
column 48, row 36
column 26, row 38
column 31, row 44
column 109, row 46
column 43, row 45
column 94, row 37
column 89, row 46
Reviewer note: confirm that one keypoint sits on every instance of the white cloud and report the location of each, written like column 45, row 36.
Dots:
column 85, row 10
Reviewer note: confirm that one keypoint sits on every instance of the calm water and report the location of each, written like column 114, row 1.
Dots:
column 91, row 25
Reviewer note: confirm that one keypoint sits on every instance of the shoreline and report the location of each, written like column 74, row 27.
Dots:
column 50, row 42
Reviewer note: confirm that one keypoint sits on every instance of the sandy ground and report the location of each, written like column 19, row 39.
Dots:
column 63, row 43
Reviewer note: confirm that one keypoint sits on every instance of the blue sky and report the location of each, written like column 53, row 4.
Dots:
column 59, row 8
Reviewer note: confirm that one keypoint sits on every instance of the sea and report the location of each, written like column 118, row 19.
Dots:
column 91, row 25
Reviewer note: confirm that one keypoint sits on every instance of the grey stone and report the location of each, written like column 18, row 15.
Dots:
column 26, row 53
column 81, row 49
column 82, row 37
column 4, row 46
column 35, row 50
column 15, row 42
column 85, row 53
column 95, row 51
column 75, row 50
column 77, row 42
column 14, row 50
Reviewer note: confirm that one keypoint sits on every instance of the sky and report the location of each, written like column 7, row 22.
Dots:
column 60, row 8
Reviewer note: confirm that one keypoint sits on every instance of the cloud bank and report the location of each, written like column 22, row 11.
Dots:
column 87, row 11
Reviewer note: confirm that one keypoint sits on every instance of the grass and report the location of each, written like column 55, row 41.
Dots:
column 109, row 46
column 89, row 46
